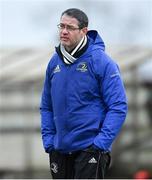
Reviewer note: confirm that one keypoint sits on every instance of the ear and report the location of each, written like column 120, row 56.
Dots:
column 85, row 30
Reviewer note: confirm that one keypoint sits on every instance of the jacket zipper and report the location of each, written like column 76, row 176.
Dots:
column 66, row 90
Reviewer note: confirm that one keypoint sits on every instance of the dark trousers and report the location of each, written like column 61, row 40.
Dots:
column 87, row 164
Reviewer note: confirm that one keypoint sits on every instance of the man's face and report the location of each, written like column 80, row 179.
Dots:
column 70, row 34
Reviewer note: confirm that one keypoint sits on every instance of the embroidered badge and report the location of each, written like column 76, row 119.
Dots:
column 57, row 69
column 82, row 67
column 54, row 167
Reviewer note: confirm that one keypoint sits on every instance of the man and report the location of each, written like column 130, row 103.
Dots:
column 83, row 102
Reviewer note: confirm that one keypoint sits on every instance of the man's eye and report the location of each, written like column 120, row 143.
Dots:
column 70, row 27
column 62, row 26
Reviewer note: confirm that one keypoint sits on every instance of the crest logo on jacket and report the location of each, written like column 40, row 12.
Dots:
column 57, row 69
column 82, row 67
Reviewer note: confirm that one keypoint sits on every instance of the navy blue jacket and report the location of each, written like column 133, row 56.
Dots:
column 83, row 103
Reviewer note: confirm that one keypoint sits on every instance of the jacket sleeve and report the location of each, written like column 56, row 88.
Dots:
column 47, row 124
column 113, row 94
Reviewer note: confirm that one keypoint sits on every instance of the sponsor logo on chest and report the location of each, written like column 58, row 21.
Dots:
column 57, row 69
column 81, row 67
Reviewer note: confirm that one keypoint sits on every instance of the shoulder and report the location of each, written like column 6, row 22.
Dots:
column 101, row 57
column 102, row 62
column 52, row 62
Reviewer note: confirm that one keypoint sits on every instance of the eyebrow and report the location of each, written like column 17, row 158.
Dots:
column 69, row 24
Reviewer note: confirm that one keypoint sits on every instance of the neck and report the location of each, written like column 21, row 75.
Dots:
column 69, row 49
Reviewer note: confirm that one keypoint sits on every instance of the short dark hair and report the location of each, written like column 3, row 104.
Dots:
column 79, row 15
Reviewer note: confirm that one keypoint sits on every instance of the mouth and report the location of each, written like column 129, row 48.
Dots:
column 62, row 38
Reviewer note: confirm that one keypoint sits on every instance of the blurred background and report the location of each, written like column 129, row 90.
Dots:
column 28, row 35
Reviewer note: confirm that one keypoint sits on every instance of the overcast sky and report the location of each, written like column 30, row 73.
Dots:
column 33, row 22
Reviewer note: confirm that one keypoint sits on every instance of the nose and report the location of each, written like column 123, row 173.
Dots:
column 64, row 30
